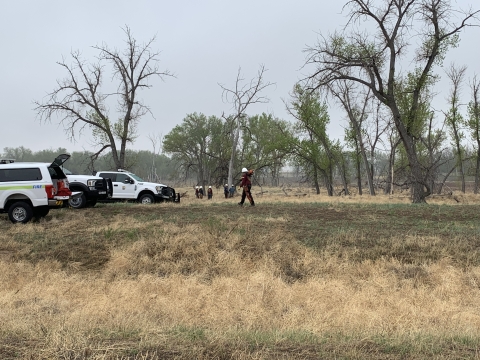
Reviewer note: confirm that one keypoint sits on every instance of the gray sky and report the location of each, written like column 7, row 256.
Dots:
column 202, row 42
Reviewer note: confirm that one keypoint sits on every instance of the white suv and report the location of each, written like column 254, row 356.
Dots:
column 31, row 189
column 128, row 186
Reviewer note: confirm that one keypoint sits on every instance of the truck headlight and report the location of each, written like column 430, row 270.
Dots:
column 159, row 189
column 91, row 184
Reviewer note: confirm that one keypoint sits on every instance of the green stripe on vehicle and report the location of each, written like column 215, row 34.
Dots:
column 22, row 187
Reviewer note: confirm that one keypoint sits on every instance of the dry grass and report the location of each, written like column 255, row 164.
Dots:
column 306, row 194
column 178, row 281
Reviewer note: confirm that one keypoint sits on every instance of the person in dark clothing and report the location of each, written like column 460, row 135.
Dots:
column 232, row 191
column 200, row 192
column 196, row 191
column 246, row 185
column 209, row 193
column 225, row 190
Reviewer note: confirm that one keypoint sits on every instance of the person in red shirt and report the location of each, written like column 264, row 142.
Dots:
column 246, row 185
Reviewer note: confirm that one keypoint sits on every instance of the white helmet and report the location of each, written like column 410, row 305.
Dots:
column 209, row 187
column 244, row 170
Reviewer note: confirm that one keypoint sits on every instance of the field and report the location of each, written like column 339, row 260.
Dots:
column 297, row 277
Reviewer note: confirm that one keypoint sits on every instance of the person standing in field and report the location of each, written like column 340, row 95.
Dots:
column 200, row 192
column 209, row 193
column 246, row 185
column 232, row 191
column 196, row 192
column 225, row 191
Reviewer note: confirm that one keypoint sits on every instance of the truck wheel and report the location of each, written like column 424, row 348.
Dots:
column 41, row 211
column 146, row 199
column 20, row 212
column 78, row 202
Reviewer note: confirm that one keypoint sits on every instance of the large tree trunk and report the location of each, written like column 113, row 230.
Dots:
column 420, row 190
column 119, row 162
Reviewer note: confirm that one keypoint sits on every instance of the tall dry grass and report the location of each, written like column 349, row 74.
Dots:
column 208, row 283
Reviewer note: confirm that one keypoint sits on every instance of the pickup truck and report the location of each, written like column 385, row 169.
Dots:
column 128, row 186
column 93, row 189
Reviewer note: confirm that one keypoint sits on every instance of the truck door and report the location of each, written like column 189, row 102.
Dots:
column 124, row 187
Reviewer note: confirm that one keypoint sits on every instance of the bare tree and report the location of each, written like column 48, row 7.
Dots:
column 156, row 141
column 356, row 107
column 241, row 97
column 375, row 127
column 454, row 119
column 372, row 60
column 80, row 103
column 435, row 154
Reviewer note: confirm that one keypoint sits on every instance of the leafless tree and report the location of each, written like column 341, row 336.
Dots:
column 372, row 60
column 435, row 153
column 79, row 103
column 356, row 106
column 156, row 141
column 376, row 126
column 454, row 119
column 241, row 97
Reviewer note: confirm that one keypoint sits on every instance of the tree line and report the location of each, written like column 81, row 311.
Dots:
column 371, row 158
column 151, row 166
column 381, row 69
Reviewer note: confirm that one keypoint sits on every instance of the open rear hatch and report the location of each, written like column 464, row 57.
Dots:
column 60, row 182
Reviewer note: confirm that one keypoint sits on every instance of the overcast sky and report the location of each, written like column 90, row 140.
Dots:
column 202, row 42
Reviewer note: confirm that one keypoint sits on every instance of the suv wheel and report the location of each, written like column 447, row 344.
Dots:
column 20, row 212
column 146, row 199
column 78, row 202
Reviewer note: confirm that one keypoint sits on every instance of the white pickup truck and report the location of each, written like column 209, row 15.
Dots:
column 128, row 186
column 31, row 189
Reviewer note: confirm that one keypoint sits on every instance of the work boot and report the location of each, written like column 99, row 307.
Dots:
column 241, row 204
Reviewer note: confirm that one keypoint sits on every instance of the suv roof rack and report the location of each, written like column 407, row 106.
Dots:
column 7, row 161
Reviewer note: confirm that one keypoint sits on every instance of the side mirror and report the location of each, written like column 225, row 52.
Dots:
column 128, row 181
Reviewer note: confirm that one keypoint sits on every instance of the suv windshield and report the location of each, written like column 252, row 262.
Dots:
column 138, row 178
